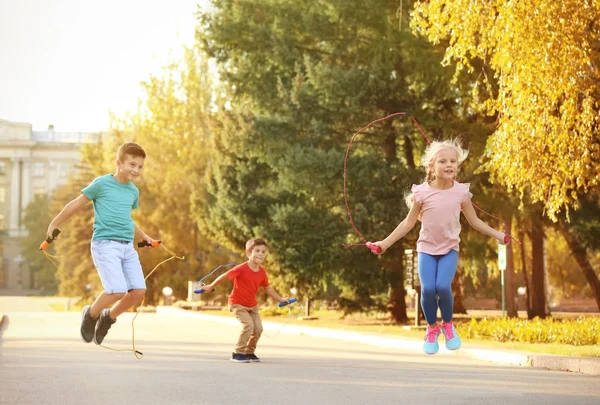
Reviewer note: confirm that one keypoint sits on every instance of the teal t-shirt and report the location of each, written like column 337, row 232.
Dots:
column 113, row 202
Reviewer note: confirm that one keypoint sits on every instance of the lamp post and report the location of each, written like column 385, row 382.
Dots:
column 19, row 259
column 167, row 293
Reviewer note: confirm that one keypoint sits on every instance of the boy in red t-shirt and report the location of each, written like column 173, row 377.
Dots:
column 247, row 279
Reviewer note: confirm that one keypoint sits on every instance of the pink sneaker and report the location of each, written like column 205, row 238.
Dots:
column 452, row 340
column 431, row 345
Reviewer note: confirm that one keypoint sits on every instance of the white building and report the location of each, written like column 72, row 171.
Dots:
column 31, row 162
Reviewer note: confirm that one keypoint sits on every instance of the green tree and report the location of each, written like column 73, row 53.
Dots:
column 37, row 214
column 302, row 78
column 172, row 125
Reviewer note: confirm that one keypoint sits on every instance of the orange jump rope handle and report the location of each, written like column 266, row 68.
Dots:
column 153, row 244
column 48, row 241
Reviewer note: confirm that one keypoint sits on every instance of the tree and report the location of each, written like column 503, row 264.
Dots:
column 172, row 125
column 538, row 71
column 37, row 214
column 302, row 78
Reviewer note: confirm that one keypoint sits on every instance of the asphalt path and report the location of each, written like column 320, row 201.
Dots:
column 186, row 361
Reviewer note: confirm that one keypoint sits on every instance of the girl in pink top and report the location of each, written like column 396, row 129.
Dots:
column 437, row 203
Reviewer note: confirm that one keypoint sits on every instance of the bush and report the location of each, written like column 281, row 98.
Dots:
column 582, row 331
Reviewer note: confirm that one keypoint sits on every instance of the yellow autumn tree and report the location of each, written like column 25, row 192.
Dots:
column 537, row 63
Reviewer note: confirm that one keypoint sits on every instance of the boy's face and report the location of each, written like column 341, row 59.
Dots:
column 257, row 254
column 131, row 167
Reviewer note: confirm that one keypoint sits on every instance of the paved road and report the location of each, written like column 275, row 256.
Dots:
column 186, row 361
column 30, row 304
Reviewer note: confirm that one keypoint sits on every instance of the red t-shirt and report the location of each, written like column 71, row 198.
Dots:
column 246, row 283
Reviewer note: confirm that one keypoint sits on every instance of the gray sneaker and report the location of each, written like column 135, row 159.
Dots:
column 88, row 324
column 103, row 325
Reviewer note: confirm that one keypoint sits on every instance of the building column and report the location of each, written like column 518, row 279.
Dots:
column 15, row 194
column 26, row 189
column 52, row 175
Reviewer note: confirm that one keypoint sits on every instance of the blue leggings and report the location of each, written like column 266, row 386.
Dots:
column 436, row 273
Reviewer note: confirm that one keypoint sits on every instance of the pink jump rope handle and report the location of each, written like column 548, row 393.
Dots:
column 506, row 239
column 374, row 247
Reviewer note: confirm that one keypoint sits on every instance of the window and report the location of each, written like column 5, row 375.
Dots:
column 64, row 169
column 38, row 169
column 2, row 195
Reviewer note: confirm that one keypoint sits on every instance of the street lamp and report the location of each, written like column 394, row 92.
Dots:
column 167, row 293
column 19, row 259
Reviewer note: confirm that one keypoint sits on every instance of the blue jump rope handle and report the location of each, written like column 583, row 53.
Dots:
column 201, row 291
column 290, row 301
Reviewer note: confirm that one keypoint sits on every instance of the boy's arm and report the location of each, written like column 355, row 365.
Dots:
column 67, row 212
column 478, row 224
column 273, row 294
column 141, row 234
column 218, row 280
column 402, row 229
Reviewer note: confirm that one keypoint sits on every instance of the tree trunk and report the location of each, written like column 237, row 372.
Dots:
column 525, row 275
column 538, row 295
column 397, row 304
column 408, row 152
column 459, row 307
column 510, row 280
column 579, row 253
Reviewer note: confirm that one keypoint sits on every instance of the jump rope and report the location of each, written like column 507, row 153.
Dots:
column 198, row 289
column 370, row 245
column 155, row 243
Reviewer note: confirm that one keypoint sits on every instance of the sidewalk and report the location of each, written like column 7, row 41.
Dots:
column 584, row 365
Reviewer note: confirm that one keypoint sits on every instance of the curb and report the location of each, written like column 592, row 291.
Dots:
column 583, row 365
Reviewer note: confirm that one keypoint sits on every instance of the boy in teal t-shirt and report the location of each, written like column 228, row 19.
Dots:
column 117, row 262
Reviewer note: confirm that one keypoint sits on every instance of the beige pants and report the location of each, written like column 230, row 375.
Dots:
column 251, row 328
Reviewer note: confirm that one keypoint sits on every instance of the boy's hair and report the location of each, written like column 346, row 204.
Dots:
column 131, row 149
column 252, row 243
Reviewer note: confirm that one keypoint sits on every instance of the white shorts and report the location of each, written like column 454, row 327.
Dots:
column 118, row 266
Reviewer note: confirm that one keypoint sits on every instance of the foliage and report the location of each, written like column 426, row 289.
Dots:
column 37, row 213
column 172, row 125
column 578, row 332
column 538, row 72
column 293, row 101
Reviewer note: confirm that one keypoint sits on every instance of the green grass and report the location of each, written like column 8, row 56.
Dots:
column 380, row 324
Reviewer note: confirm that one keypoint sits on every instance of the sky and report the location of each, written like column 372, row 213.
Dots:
column 69, row 62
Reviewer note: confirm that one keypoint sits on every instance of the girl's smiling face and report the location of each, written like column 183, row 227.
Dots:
column 445, row 165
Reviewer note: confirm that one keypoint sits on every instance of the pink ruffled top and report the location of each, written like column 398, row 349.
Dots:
column 440, row 216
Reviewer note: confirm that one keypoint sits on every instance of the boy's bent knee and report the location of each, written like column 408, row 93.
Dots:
column 137, row 294
column 116, row 296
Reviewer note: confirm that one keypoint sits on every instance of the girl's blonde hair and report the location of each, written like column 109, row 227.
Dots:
column 430, row 154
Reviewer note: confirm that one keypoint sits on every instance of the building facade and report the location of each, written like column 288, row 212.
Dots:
column 31, row 162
